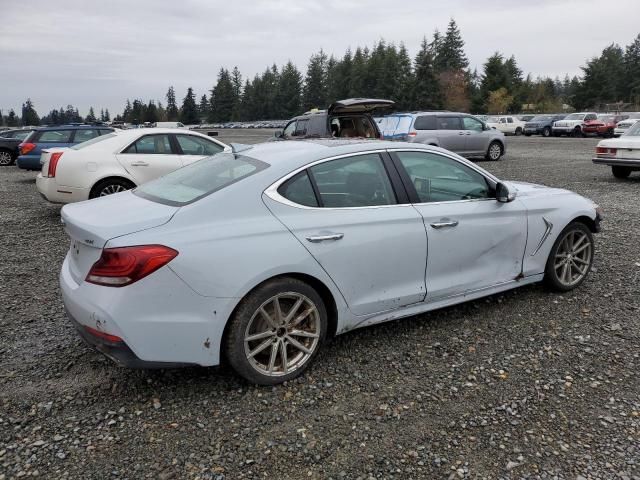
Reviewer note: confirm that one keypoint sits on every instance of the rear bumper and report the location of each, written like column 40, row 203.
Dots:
column 29, row 162
column 55, row 193
column 563, row 129
column 618, row 162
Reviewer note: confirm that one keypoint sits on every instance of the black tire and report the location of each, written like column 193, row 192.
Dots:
column 6, row 158
column 620, row 172
column 546, row 132
column 527, row 134
column 114, row 184
column 518, row 131
column 234, row 339
column 492, row 151
column 577, row 133
column 551, row 279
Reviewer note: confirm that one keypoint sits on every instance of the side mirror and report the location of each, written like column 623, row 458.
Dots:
column 278, row 133
column 503, row 194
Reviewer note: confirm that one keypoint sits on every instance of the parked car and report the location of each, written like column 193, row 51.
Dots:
column 527, row 117
column 343, row 119
column 458, row 132
column 18, row 133
column 54, row 137
column 541, row 125
column 572, row 124
column 167, row 125
column 9, row 151
column 507, row 124
column 623, row 125
column 119, row 161
column 603, row 126
column 621, row 154
column 260, row 256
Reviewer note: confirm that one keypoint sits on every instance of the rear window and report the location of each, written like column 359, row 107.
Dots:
column 426, row 122
column 202, row 178
column 93, row 141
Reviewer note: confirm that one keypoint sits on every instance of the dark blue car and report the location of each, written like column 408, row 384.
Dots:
column 55, row 137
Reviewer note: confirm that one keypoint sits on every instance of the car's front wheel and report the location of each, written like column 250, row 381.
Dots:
column 6, row 158
column 518, row 131
column 110, row 186
column 546, row 132
column 276, row 331
column 620, row 172
column 570, row 258
column 494, row 152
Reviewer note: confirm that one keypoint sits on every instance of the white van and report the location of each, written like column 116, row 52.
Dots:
column 169, row 125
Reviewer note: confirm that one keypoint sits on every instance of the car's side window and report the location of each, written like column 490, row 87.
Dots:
column 425, row 122
column 85, row 134
column 21, row 135
column 591, row 117
column 472, row 124
column 441, row 179
column 289, row 129
column 509, row 119
column 151, row 144
column 449, row 123
column 55, row 136
column 299, row 190
column 192, row 145
column 301, row 128
column 358, row 181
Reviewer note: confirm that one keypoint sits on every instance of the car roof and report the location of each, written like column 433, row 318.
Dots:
column 71, row 127
column 134, row 132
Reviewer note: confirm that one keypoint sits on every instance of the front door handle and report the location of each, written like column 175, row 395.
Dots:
column 325, row 238
column 139, row 164
column 461, row 133
column 445, row 224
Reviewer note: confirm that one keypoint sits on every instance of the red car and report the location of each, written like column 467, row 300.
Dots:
column 603, row 126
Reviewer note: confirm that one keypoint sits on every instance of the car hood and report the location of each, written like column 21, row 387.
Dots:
column 360, row 105
column 526, row 190
column 94, row 222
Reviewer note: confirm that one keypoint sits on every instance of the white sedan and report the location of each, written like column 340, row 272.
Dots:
column 507, row 124
column 261, row 255
column 119, row 161
column 621, row 154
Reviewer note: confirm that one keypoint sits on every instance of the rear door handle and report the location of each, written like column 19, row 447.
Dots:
column 139, row 164
column 325, row 238
column 445, row 224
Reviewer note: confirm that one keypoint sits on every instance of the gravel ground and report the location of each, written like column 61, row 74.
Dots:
column 525, row 384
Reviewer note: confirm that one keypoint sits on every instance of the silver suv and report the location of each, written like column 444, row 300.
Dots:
column 461, row 133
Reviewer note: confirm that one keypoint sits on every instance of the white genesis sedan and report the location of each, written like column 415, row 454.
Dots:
column 119, row 161
column 260, row 255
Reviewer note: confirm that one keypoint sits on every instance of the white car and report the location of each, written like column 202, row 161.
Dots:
column 507, row 124
column 119, row 161
column 571, row 125
column 262, row 254
column 621, row 154
column 623, row 125
column 169, row 125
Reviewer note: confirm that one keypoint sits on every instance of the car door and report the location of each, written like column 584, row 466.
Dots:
column 451, row 134
column 369, row 240
column 194, row 148
column 474, row 241
column 150, row 157
column 477, row 139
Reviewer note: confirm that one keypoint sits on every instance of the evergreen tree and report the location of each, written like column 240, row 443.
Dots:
column 631, row 89
column 126, row 114
column 604, row 79
column 289, row 92
column 315, row 89
column 203, row 108
column 402, row 93
column 450, row 50
column 91, row 116
column 495, row 76
column 151, row 112
column 236, row 80
column 107, row 117
column 12, row 119
column 29, row 114
column 222, row 98
column 189, row 111
column 172, row 106
column 358, row 73
column 339, row 78
column 1, row 119
column 426, row 88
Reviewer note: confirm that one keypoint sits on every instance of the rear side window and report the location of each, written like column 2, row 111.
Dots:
column 298, row 189
column 426, row 122
column 151, row 145
column 55, row 136
column 449, row 123
column 80, row 146
column 85, row 134
column 202, row 178
column 192, row 145
column 21, row 135
column 591, row 117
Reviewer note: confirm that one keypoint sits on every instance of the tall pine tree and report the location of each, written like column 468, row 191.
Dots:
column 172, row 106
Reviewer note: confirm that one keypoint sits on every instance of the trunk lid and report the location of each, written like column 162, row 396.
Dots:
column 359, row 105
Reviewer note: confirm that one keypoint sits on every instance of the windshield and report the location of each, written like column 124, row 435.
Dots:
column 492, row 120
column 199, row 179
column 634, row 130
column 606, row 118
column 575, row 116
column 541, row 118
column 88, row 143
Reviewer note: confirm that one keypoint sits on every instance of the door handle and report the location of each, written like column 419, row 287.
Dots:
column 325, row 238
column 448, row 223
column 461, row 133
column 139, row 164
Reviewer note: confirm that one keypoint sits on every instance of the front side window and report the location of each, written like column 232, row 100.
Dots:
column 441, row 179
column 509, row 119
column 359, row 181
column 192, row 145
column 449, row 123
column 472, row 124
column 151, row 145
column 84, row 135
column 55, row 136
column 289, row 129
column 298, row 189
column 301, row 128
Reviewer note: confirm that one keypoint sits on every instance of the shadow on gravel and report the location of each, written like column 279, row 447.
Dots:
column 26, row 180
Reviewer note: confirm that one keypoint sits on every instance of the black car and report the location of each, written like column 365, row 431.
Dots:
column 350, row 118
column 9, row 150
column 19, row 133
column 541, row 125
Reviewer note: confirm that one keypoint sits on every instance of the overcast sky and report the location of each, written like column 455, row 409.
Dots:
column 100, row 53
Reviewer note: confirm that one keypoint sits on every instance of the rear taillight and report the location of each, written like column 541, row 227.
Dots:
column 606, row 152
column 26, row 148
column 103, row 335
column 412, row 134
column 53, row 163
column 122, row 266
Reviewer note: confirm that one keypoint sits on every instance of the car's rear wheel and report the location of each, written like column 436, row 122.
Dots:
column 6, row 158
column 577, row 133
column 546, row 132
column 276, row 331
column 494, row 152
column 518, row 131
column 110, row 186
column 570, row 258
column 620, row 172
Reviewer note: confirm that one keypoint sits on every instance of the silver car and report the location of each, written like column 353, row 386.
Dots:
column 460, row 133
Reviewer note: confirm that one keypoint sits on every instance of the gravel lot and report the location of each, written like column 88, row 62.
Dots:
column 526, row 384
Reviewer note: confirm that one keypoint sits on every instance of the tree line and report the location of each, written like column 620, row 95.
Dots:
column 437, row 77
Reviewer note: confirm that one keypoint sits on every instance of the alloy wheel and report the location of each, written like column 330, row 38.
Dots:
column 573, row 258
column 495, row 151
column 111, row 189
column 5, row 159
column 282, row 334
